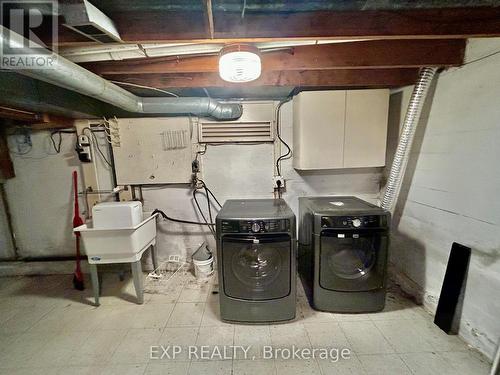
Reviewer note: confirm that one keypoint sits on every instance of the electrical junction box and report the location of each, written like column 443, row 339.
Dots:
column 153, row 150
column 116, row 215
column 279, row 182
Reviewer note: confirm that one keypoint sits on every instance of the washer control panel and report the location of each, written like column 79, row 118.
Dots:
column 369, row 221
column 255, row 226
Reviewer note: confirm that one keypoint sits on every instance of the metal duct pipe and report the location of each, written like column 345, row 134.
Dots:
column 66, row 74
column 196, row 106
column 405, row 141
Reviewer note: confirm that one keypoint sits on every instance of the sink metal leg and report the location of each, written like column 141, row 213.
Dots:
column 138, row 284
column 153, row 257
column 95, row 282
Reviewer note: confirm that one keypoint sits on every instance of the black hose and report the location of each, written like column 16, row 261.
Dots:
column 210, row 225
column 164, row 215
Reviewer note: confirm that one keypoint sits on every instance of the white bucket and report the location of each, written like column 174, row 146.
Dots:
column 203, row 269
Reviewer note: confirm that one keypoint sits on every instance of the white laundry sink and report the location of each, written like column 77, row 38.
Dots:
column 119, row 245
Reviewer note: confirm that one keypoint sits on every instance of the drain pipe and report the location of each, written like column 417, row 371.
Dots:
column 405, row 141
column 66, row 74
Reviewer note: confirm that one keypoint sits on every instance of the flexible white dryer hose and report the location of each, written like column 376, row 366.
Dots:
column 405, row 141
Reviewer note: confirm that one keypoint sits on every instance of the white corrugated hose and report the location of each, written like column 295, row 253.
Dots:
column 405, row 141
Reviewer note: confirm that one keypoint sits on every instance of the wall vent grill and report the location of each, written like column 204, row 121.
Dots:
column 241, row 131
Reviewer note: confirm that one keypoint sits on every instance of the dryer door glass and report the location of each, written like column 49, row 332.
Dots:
column 256, row 268
column 353, row 261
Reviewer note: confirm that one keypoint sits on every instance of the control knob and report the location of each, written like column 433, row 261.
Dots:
column 356, row 223
column 255, row 227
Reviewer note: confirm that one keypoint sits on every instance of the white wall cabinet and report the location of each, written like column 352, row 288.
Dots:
column 340, row 129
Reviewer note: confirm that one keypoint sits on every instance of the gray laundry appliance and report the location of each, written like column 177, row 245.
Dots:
column 343, row 249
column 256, row 256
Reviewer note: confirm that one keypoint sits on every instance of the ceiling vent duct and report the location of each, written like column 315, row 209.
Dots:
column 86, row 19
column 64, row 73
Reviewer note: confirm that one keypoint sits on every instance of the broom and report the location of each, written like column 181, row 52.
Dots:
column 77, row 221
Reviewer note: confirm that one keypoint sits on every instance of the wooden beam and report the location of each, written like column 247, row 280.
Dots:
column 49, row 121
column 374, row 78
column 377, row 54
column 182, row 26
column 445, row 23
column 37, row 121
column 17, row 114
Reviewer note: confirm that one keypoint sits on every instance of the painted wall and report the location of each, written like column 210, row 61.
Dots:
column 40, row 195
column 246, row 171
column 451, row 189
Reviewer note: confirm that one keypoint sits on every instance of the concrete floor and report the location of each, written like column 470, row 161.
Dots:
column 46, row 328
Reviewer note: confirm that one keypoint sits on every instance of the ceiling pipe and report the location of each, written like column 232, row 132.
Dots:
column 66, row 74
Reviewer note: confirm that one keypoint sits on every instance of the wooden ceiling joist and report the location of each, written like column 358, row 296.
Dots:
column 181, row 26
column 37, row 121
column 372, row 78
column 378, row 54
column 415, row 23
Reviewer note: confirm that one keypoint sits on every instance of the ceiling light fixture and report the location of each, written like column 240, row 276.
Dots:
column 239, row 63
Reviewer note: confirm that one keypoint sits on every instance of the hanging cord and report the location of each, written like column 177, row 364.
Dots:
column 57, row 146
column 206, row 221
column 208, row 195
column 288, row 154
column 210, row 191
column 210, row 224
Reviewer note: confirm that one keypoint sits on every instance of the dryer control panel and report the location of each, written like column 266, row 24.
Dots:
column 341, row 222
column 255, row 226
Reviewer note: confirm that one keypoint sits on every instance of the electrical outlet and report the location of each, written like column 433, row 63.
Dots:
column 279, row 182
column 174, row 258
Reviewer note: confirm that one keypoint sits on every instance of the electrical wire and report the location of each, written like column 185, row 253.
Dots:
column 96, row 142
column 288, row 154
column 481, row 58
column 210, row 191
column 207, row 221
column 145, row 87
column 210, row 224
column 57, row 148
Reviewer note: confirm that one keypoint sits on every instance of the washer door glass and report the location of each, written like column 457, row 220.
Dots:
column 256, row 268
column 352, row 261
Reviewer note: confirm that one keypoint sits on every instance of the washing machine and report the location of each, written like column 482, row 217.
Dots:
column 256, row 258
column 343, row 249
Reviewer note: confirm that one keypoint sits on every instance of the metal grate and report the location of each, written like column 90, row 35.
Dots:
column 219, row 132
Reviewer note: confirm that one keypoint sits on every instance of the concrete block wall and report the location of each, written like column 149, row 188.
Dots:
column 451, row 191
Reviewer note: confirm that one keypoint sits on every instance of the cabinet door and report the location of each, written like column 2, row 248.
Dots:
column 366, row 128
column 318, row 136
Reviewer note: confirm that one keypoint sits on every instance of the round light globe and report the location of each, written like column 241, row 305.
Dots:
column 239, row 63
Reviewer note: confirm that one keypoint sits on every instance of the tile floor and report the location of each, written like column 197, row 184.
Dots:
column 46, row 328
